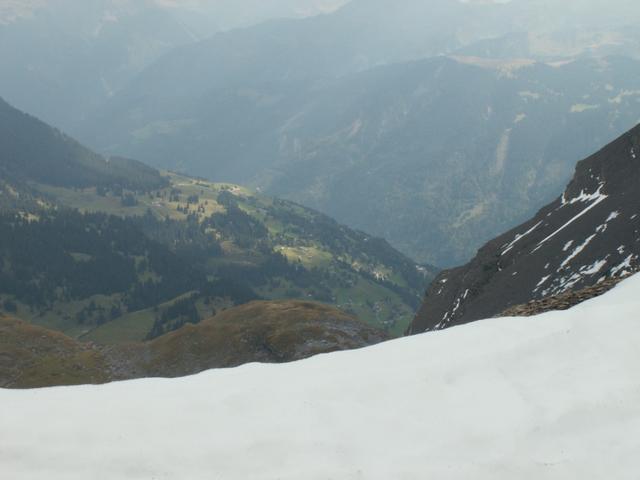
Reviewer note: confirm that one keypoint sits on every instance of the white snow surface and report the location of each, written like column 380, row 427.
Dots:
column 597, row 198
column 550, row 397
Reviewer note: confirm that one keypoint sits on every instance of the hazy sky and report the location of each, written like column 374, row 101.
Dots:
column 206, row 15
column 226, row 14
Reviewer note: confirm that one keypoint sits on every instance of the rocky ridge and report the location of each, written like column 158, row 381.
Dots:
column 587, row 236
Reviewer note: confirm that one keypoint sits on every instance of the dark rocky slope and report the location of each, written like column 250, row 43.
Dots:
column 564, row 301
column 588, row 235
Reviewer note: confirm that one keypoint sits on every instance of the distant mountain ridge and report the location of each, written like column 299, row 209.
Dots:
column 63, row 58
column 588, row 235
column 436, row 156
column 341, row 112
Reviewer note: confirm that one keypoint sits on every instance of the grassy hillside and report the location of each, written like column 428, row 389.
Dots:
column 280, row 249
column 32, row 356
column 268, row 332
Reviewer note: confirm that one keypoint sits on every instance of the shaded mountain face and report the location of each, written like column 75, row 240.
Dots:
column 588, row 235
column 436, row 156
column 266, row 332
column 31, row 150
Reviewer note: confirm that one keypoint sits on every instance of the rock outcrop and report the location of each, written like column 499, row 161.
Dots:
column 265, row 332
column 563, row 301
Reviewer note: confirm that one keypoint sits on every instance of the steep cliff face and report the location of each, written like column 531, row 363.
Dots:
column 590, row 234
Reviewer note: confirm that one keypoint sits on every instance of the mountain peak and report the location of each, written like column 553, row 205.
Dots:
column 616, row 167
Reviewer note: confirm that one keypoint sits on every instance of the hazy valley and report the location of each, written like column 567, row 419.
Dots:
column 463, row 146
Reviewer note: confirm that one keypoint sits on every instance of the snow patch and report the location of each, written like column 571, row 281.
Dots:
column 585, row 197
column 613, row 216
column 595, row 268
column 542, row 282
column 597, row 198
column 624, row 268
column 519, row 237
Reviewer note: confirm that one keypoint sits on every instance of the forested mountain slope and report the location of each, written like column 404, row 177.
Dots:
column 277, row 248
column 114, row 251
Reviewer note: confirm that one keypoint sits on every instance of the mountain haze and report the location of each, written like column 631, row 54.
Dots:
column 354, row 113
column 64, row 58
column 436, row 155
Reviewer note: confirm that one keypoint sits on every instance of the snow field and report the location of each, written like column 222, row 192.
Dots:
column 550, row 397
